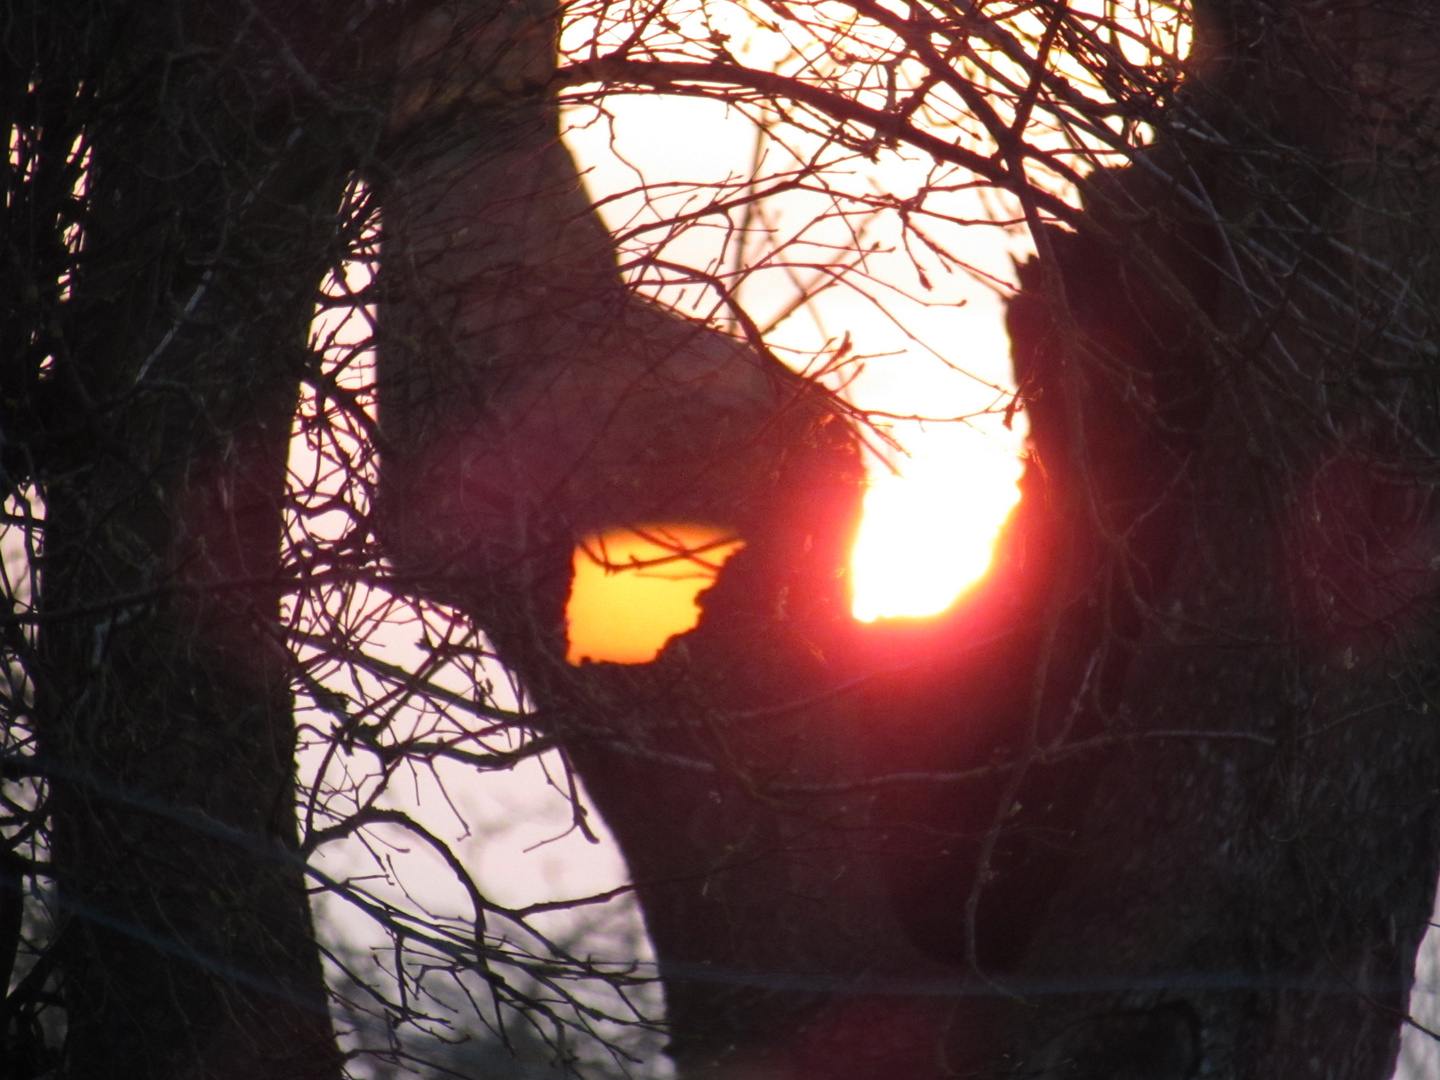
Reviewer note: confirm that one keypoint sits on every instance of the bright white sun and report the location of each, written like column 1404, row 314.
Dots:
column 930, row 531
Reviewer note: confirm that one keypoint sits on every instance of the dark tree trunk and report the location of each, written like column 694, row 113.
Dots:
column 1258, row 862
column 216, row 161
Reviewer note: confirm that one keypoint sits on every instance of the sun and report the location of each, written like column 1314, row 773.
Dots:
column 927, row 533
column 929, row 529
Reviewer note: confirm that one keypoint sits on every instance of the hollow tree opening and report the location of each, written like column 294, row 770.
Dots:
column 632, row 590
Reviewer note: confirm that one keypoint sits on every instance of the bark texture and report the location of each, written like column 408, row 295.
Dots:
column 1249, row 410
column 157, row 437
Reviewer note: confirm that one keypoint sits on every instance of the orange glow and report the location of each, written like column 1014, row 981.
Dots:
column 635, row 589
column 930, row 532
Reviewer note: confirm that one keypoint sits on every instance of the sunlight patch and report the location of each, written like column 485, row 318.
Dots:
column 635, row 589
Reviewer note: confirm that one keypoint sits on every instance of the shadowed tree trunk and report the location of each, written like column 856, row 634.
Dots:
column 158, row 435
column 1261, row 860
column 530, row 400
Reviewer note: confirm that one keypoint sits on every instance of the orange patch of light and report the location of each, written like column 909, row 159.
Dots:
column 930, row 531
column 635, row 589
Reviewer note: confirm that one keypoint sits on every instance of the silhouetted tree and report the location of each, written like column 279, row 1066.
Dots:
column 1156, row 800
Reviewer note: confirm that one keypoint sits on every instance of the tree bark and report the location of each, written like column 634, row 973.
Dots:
column 1256, row 867
column 216, row 161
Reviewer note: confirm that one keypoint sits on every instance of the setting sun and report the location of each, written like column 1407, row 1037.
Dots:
column 635, row 589
column 929, row 532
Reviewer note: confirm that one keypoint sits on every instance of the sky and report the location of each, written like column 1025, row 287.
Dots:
column 919, row 347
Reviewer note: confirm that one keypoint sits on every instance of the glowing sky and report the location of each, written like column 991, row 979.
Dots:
column 635, row 589
column 930, row 340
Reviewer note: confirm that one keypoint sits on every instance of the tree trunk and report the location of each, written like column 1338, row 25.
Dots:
column 1256, row 867
column 163, row 713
